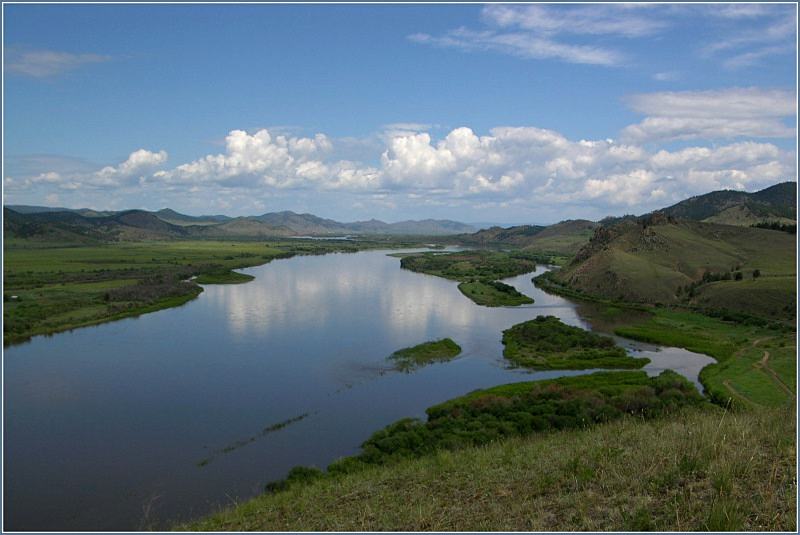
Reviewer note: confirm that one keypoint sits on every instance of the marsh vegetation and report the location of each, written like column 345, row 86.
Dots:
column 413, row 358
column 546, row 343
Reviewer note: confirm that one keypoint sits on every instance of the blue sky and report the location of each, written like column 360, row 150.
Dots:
column 523, row 113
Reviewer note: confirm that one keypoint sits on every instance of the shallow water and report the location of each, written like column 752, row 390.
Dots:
column 106, row 427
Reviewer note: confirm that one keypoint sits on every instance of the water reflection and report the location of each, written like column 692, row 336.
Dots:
column 100, row 420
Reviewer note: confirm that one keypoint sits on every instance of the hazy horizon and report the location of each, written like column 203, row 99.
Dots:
column 479, row 224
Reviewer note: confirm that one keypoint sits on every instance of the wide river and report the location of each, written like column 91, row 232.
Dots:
column 147, row 421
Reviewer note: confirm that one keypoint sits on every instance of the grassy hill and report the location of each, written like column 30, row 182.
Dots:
column 176, row 218
column 695, row 470
column 73, row 227
column 658, row 260
column 564, row 238
column 776, row 203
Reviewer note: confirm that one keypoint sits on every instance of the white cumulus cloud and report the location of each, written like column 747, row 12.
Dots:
column 510, row 166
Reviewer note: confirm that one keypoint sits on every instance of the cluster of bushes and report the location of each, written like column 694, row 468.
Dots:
column 522, row 409
column 791, row 228
column 151, row 290
column 743, row 318
column 690, row 290
column 502, row 287
column 547, row 343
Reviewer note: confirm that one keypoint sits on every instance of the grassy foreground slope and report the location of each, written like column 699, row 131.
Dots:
column 694, row 470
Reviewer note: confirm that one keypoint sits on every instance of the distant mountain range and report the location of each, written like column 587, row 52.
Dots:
column 776, row 203
column 85, row 225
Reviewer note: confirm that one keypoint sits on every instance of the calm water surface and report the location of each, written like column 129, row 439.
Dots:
column 106, row 427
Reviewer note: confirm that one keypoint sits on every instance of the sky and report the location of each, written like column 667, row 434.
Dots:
column 500, row 113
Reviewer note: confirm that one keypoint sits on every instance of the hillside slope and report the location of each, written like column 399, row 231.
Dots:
column 72, row 227
column 696, row 470
column 660, row 260
column 171, row 216
column 776, row 203
column 563, row 238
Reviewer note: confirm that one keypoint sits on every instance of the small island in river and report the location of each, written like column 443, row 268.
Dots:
column 418, row 356
column 546, row 343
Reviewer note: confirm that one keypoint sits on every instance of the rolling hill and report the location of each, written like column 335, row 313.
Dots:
column 171, row 216
column 776, row 203
column 659, row 259
column 72, row 227
column 564, row 238
column 89, row 226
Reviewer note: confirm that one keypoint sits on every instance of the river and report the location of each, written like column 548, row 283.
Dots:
column 148, row 421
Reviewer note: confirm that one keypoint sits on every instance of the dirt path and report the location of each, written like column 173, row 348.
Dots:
column 762, row 365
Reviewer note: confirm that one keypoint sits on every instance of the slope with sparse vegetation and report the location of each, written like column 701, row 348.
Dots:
column 709, row 266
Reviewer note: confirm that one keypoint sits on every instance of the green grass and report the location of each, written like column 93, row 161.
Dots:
column 694, row 470
column 545, row 343
column 223, row 277
column 564, row 245
column 738, row 376
column 418, row 356
column 493, row 294
column 767, row 296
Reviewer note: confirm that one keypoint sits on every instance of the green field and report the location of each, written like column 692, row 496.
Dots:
column 742, row 375
column 418, row 356
column 545, row 343
column 49, row 288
